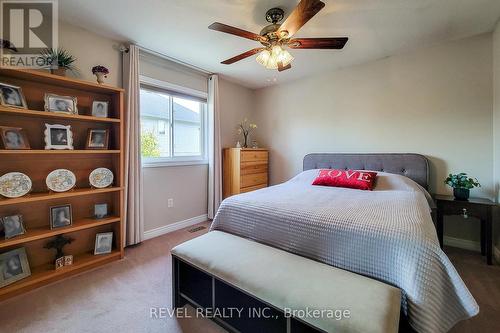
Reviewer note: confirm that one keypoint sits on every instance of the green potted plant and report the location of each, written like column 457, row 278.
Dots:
column 61, row 61
column 461, row 184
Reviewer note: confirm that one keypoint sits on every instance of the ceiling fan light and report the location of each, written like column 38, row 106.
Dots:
column 276, row 51
column 285, row 57
column 263, row 57
column 272, row 63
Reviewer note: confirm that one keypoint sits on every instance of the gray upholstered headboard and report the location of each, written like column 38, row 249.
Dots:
column 413, row 166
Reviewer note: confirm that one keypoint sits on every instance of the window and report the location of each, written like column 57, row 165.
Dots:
column 172, row 127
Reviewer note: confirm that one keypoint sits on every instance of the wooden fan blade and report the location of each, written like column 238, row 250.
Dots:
column 282, row 68
column 235, row 31
column 318, row 43
column 242, row 56
column 304, row 11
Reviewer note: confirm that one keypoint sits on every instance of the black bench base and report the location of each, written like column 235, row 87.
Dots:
column 230, row 307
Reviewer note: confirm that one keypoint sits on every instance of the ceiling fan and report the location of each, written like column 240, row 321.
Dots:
column 274, row 37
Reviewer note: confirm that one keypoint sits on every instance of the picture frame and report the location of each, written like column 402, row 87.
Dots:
column 100, row 210
column 14, row 138
column 103, row 243
column 59, row 263
column 61, row 216
column 12, row 96
column 58, row 137
column 100, row 109
column 13, row 226
column 98, row 139
column 68, row 260
column 63, row 261
column 60, row 104
column 14, row 266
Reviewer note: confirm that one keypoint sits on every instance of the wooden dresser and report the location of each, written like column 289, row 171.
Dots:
column 244, row 170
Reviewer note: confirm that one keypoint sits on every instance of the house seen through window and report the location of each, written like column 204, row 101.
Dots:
column 172, row 126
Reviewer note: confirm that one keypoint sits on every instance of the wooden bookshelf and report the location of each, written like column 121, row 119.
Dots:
column 32, row 197
column 37, row 163
column 54, row 115
column 38, row 233
column 57, row 152
column 44, row 274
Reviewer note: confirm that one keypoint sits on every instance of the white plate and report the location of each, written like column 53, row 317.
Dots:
column 15, row 185
column 101, row 178
column 60, row 180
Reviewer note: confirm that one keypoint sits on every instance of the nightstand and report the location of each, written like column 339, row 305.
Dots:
column 474, row 207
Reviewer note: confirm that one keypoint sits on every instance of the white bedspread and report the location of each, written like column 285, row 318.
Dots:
column 386, row 234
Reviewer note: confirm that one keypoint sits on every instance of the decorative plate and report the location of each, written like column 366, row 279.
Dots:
column 101, row 178
column 60, row 180
column 15, row 185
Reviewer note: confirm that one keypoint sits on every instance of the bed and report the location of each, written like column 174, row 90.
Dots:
column 386, row 234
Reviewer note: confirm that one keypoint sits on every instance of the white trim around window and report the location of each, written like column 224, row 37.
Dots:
column 149, row 81
column 155, row 162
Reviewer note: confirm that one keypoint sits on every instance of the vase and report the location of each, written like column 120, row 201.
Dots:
column 58, row 71
column 461, row 194
column 100, row 77
column 245, row 143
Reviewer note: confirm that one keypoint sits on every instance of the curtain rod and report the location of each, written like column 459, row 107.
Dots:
column 124, row 48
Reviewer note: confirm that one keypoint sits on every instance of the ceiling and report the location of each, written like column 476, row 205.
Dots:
column 376, row 29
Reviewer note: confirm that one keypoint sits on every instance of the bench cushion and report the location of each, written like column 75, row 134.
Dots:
column 288, row 281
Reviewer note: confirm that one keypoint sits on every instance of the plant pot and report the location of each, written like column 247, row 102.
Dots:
column 461, row 193
column 100, row 77
column 58, row 71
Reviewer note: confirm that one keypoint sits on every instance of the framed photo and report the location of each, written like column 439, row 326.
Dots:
column 103, row 243
column 59, row 263
column 64, row 104
column 13, row 226
column 14, row 138
column 100, row 109
column 14, row 266
column 68, row 260
column 60, row 216
column 58, row 137
column 98, row 139
column 64, row 261
column 12, row 96
column 100, row 210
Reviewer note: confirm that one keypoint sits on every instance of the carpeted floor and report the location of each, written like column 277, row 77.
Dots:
column 118, row 297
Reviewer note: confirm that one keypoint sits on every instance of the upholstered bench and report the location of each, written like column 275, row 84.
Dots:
column 250, row 287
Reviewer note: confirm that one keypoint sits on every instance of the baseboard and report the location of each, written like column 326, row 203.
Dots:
column 496, row 254
column 470, row 245
column 174, row 226
column 462, row 243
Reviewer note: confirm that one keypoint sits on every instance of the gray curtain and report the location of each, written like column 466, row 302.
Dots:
column 214, row 148
column 134, row 211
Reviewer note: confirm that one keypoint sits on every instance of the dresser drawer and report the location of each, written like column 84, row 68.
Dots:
column 248, row 168
column 249, row 156
column 253, row 179
column 252, row 188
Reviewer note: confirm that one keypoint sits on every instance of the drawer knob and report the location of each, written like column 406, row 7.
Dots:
column 465, row 214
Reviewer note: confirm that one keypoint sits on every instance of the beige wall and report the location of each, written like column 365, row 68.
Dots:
column 496, row 118
column 236, row 103
column 91, row 50
column 187, row 185
column 435, row 101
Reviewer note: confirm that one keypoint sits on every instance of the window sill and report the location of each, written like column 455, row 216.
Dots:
column 163, row 164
